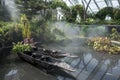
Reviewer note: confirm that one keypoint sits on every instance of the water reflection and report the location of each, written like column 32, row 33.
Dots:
column 89, row 65
column 90, row 68
column 62, row 75
column 12, row 75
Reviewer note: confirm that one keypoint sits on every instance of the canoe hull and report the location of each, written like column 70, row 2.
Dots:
column 48, row 65
column 53, row 53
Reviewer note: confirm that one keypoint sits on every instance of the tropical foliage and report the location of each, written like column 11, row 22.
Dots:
column 35, row 15
column 39, row 7
column 20, row 47
column 115, row 35
column 104, row 12
column 71, row 15
column 103, row 44
column 117, row 14
column 5, row 34
column 25, row 26
column 58, row 3
column 108, row 11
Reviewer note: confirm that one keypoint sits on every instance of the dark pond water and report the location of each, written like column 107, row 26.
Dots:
column 89, row 65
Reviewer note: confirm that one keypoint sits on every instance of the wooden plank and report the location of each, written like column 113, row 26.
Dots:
column 115, row 42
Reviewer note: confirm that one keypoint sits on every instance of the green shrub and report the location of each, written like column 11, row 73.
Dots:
column 114, row 13
column 41, row 31
column 101, row 14
column 115, row 35
column 103, row 44
column 71, row 14
column 20, row 47
column 117, row 14
column 5, row 33
column 26, row 32
column 61, row 4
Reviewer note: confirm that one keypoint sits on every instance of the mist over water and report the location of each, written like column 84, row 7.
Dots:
column 75, row 30
column 95, row 31
column 76, row 35
column 70, row 30
column 12, row 9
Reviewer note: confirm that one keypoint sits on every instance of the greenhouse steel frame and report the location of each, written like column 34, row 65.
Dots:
column 95, row 5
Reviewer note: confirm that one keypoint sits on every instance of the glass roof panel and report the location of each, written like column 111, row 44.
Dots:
column 102, row 4
column 115, row 3
column 92, row 5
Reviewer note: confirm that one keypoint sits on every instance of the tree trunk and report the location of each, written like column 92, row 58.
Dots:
column 87, row 9
column 85, row 13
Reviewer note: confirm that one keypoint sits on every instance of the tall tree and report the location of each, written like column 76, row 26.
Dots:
column 86, row 8
column 34, row 7
column 40, row 7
